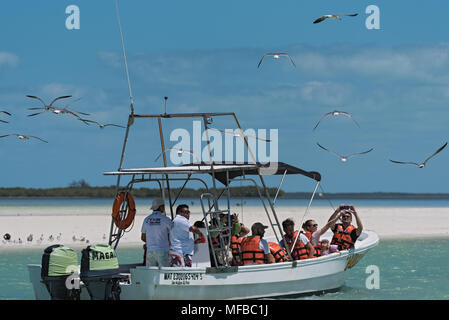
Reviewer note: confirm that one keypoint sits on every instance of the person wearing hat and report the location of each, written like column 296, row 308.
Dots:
column 155, row 233
column 254, row 249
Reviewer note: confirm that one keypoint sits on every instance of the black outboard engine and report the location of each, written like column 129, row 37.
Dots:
column 100, row 272
column 59, row 266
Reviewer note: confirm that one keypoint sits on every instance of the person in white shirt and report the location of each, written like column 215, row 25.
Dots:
column 181, row 238
column 155, row 233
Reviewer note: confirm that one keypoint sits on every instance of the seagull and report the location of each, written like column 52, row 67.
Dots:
column 30, row 238
column 422, row 165
column 333, row 16
column 41, row 238
column 336, row 113
column 276, row 56
column 50, row 238
column 83, row 239
column 104, row 236
column 58, row 237
column 237, row 134
column 179, row 152
column 5, row 112
column 22, row 137
column 45, row 107
column 74, row 238
column 344, row 158
column 102, row 126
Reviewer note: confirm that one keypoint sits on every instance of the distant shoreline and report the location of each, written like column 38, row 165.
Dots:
column 88, row 192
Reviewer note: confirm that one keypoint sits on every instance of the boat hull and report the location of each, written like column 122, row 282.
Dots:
column 246, row 282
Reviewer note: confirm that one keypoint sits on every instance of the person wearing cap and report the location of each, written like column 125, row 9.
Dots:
column 155, row 233
column 254, row 248
column 182, row 242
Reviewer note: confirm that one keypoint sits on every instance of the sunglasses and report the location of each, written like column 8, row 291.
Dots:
column 314, row 225
column 187, row 211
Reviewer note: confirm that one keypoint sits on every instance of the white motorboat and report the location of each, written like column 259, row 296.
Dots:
column 208, row 279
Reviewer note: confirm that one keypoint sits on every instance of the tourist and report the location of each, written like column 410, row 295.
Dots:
column 155, row 233
column 302, row 248
column 327, row 248
column 255, row 249
column 345, row 234
column 313, row 234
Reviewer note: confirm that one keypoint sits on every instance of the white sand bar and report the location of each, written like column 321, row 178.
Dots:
column 388, row 222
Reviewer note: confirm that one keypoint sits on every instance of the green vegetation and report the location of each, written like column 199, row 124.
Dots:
column 81, row 189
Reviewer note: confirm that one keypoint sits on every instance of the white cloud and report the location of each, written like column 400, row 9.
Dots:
column 9, row 59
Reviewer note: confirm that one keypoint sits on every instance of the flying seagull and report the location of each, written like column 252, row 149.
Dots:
column 179, row 152
column 344, row 158
column 276, row 56
column 22, row 137
column 102, row 126
column 5, row 112
column 421, row 165
column 336, row 113
column 237, row 134
column 45, row 107
column 334, row 17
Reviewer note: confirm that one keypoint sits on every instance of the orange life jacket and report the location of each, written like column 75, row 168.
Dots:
column 251, row 253
column 279, row 253
column 299, row 252
column 317, row 247
column 236, row 243
column 342, row 237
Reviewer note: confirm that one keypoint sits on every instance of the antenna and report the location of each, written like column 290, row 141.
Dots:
column 131, row 102
column 165, row 103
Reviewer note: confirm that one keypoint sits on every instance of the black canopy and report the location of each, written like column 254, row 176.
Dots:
column 271, row 168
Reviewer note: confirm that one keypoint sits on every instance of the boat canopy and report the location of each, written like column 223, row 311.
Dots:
column 221, row 169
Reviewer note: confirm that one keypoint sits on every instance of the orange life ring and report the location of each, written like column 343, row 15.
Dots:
column 131, row 210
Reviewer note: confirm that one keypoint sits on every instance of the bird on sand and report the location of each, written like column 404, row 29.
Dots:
column 102, row 126
column 30, row 238
column 344, row 158
column 22, row 137
column 45, row 107
column 336, row 113
column 5, row 112
column 422, row 165
column 333, row 17
column 239, row 134
column 276, row 55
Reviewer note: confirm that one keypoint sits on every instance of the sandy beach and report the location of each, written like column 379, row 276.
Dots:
column 387, row 222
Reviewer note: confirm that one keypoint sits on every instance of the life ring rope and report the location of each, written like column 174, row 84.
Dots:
column 123, row 210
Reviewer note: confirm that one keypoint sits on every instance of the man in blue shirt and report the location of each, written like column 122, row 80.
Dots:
column 181, row 238
column 155, row 233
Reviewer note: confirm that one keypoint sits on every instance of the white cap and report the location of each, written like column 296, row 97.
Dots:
column 157, row 203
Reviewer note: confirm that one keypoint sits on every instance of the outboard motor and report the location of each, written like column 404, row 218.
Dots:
column 100, row 272
column 58, row 264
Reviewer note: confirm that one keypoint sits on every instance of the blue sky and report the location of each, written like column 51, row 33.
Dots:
column 203, row 55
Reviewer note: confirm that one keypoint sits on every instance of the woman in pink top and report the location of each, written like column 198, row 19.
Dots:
column 313, row 233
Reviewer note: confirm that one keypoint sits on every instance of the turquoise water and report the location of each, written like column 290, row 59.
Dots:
column 408, row 269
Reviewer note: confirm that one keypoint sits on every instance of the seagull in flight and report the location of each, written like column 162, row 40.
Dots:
column 344, row 158
column 5, row 112
column 102, row 126
column 333, row 17
column 240, row 135
column 336, row 113
column 179, row 152
column 45, row 107
column 422, row 165
column 23, row 137
column 276, row 55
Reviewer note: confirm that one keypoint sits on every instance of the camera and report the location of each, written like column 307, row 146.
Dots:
column 345, row 208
